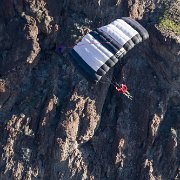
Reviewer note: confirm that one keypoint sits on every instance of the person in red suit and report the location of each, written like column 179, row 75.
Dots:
column 123, row 89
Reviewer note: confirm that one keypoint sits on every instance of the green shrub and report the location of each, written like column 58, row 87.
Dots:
column 169, row 24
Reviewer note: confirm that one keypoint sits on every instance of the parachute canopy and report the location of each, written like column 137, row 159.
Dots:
column 102, row 48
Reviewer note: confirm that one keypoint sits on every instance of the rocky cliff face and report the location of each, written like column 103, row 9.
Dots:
column 56, row 125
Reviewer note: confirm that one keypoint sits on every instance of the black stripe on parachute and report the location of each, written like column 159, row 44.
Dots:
column 118, row 50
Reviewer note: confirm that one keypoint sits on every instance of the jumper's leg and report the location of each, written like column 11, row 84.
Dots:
column 128, row 95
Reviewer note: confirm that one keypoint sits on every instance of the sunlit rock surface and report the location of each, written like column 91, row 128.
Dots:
column 56, row 125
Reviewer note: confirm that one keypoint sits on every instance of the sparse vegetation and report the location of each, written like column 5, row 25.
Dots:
column 169, row 21
column 169, row 24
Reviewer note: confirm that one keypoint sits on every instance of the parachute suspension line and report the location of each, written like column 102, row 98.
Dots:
column 123, row 76
column 115, row 81
column 117, row 85
column 109, row 81
column 112, row 83
column 120, row 88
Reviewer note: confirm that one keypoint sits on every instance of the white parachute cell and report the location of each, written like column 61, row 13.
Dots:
column 103, row 47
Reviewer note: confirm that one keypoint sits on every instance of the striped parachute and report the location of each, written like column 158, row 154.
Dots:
column 103, row 47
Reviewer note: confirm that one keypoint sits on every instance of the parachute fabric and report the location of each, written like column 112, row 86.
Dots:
column 102, row 48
